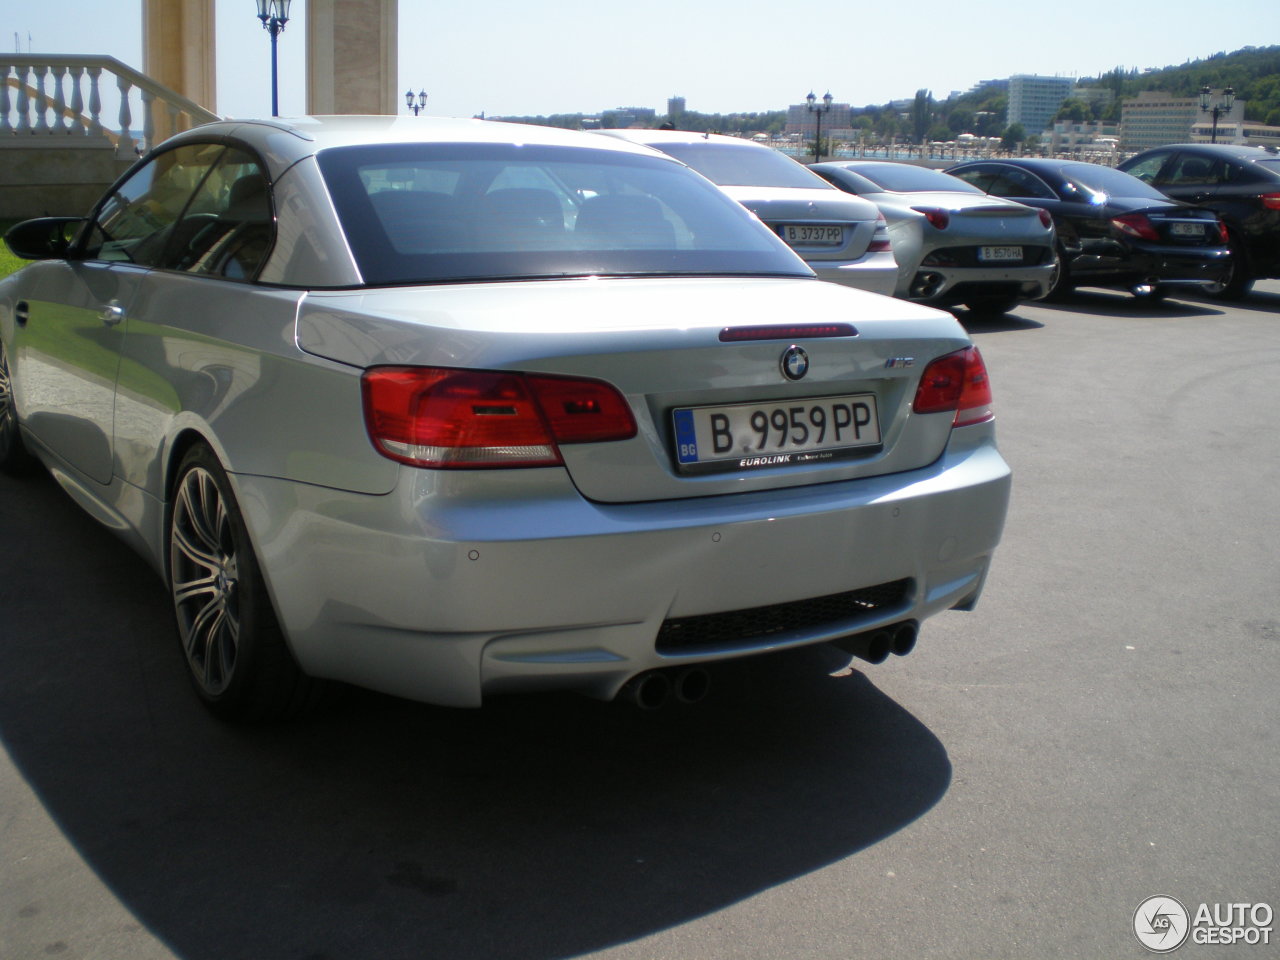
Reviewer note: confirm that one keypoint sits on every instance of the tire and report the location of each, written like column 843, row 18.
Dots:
column 14, row 458
column 1060, row 283
column 1239, row 281
column 239, row 662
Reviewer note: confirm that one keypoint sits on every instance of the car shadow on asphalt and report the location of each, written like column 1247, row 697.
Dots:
column 1111, row 303
column 535, row 828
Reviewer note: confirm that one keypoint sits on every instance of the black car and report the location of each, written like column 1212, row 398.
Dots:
column 1113, row 230
column 1240, row 184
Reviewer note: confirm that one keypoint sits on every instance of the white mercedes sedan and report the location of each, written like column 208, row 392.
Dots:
column 450, row 409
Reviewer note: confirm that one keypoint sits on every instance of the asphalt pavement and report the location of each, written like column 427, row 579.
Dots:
column 1103, row 729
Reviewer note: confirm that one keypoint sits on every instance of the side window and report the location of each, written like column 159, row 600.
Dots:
column 226, row 230
column 1148, row 169
column 1012, row 182
column 137, row 219
column 1189, row 170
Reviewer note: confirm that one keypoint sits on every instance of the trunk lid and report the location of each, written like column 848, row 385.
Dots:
column 658, row 341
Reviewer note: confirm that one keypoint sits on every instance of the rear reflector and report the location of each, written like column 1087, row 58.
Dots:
column 956, row 382
column 446, row 418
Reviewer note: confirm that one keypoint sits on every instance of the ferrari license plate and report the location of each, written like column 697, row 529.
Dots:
column 999, row 254
column 748, row 436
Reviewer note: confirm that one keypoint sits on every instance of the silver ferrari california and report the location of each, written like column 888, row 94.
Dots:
column 449, row 409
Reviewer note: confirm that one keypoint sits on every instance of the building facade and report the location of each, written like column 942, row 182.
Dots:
column 1154, row 118
column 1033, row 101
column 837, row 123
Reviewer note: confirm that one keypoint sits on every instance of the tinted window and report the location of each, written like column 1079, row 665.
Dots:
column 137, row 218
column 905, row 178
column 418, row 213
column 1148, row 167
column 731, row 165
column 1002, row 181
column 202, row 208
column 1104, row 180
column 1191, row 170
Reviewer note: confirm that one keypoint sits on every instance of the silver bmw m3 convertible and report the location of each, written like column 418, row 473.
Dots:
column 450, row 408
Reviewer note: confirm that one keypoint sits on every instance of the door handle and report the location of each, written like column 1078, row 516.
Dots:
column 112, row 313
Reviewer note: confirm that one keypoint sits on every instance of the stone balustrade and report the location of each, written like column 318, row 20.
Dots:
column 69, row 125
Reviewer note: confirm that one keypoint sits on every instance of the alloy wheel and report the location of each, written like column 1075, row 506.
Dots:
column 205, row 580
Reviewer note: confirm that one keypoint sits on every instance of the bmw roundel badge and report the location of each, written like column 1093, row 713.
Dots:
column 795, row 363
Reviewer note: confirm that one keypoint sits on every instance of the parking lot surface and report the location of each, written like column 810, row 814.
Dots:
column 1101, row 730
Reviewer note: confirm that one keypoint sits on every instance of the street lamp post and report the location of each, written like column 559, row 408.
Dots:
column 1216, row 108
column 274, row 14
column 416, row 105
column 818, row 111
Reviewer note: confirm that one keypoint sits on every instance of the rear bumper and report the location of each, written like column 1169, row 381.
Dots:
column 876, row 272
column 445, row 599
column 1154, row 265
column 944, row 286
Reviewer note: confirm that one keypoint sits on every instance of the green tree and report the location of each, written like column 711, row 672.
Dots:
column 921, row 115
column 1014, row 134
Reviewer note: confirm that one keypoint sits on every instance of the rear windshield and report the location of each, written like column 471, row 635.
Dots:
column 906, row 178
column 1114, row 183
column 424, row 213
column 748, row 165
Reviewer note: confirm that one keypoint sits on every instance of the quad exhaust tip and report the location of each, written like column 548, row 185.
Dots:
column 656, row 688
column 876, row 645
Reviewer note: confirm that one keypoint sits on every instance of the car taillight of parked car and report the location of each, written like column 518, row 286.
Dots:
column 1271, row 201
column 938, row 219
column 1046, row 218
column 880, row 241
column 959, row 382
column 447, row 418
column 1136, row 225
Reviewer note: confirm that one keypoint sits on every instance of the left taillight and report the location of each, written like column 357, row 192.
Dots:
column 880, row 241
column 959, row 382
column 1136, row 225
column 448, row 419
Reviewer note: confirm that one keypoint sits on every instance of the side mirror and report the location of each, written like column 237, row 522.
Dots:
column 48, row 238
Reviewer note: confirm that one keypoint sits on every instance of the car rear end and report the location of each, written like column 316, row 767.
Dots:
column 1172, row 246
column 843, row 239
column 753, row 483
column 981, row 249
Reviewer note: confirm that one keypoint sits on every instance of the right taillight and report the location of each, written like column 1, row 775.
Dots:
column 1271, row 201
column 956, row 382
column 447, row 418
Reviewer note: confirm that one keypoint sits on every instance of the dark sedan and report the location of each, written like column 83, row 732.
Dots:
column 1113, row 230
column 1240, row 184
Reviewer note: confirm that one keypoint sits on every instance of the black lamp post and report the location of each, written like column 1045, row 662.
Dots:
column 818, row 111
column 416, row 105
column 1217, row 108
column 274, row 14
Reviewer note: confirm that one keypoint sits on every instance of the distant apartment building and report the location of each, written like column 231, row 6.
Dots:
column 1243, row 133
column 1093, row 139
column 675, row 107
column 1033, row 101
column 1154, row 118
column 837, row 123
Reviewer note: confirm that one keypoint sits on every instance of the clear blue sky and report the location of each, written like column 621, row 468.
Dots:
column 515, row 57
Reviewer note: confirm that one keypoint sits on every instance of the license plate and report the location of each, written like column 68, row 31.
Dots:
column 1186, row 229
column 809, row 234
column 748, row 436
column 989, row 254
